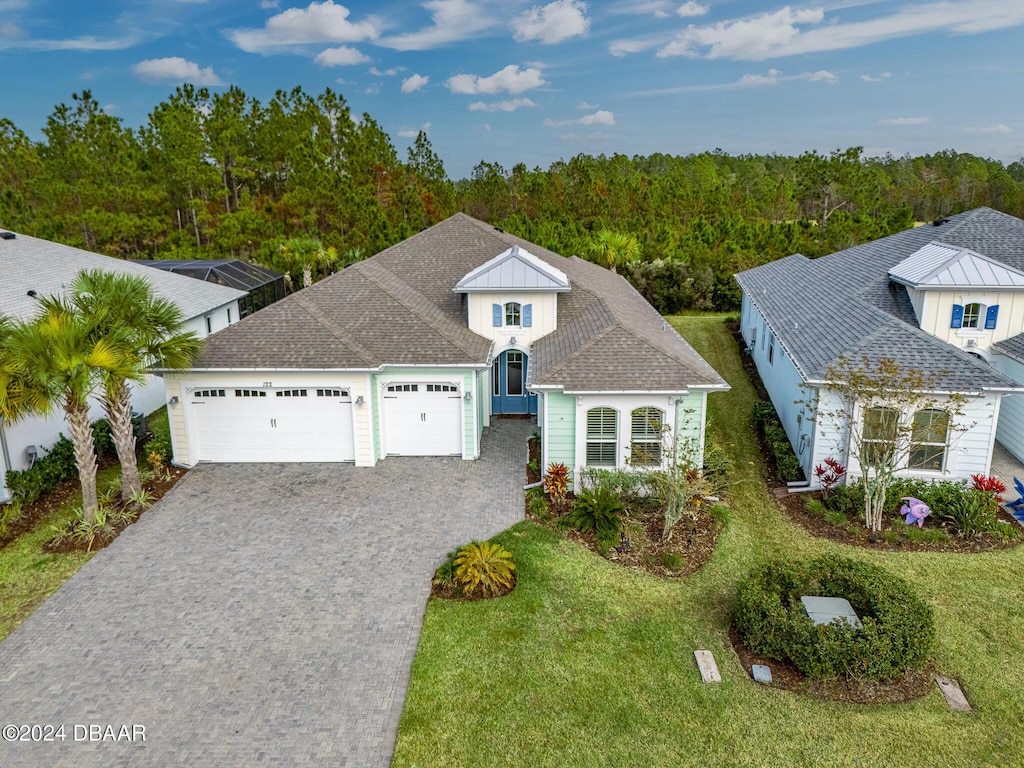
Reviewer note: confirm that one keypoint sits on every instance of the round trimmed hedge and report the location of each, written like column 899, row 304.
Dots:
column 897, row 633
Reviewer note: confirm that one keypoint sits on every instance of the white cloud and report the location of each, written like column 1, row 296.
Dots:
column 873, row 79
column 412, row 133
column 453, row 20
column 177, row 69
column 789, row 32
column 823, row 76
column 691, row 8
column 627, row 46
column 999, row 128
column 269, row 4
column 414, row 83
column 316, row 23
column 904, row 121
column 510, row 79
column 342, row 56
column 755, row 81
column 552, row 23
column 389, row 72
column 7, row 29
column 510, row 105
column 85, row 43
column 585, row 105
column 601, row 117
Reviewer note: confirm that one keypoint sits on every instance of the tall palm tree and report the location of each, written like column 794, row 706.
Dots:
column 611, row 249
column 55, row 361
column 308, row 254
column 151, row 332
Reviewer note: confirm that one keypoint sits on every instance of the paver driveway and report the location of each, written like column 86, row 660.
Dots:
column 258, row 615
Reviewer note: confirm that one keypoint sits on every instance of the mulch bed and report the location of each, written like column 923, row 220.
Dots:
column 533, row 460
column 794, row 505
column 692, row 541
column 913, row 685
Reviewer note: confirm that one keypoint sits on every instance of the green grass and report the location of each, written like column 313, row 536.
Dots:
column 590, row 664
column 28, row 575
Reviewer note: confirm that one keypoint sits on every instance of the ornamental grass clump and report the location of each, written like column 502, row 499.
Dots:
column 598, row 511
column 897, row 631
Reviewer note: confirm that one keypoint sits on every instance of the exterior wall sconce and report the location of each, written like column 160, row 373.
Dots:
column 469, row 396
column 359, row 400
column 173, row 401
column 512, row 340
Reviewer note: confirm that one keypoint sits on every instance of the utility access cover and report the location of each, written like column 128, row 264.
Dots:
column 824, row 610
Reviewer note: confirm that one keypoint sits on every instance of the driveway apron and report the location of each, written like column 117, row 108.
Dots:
column 260, row 614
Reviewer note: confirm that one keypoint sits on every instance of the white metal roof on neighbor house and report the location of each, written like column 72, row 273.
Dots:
column 938, row 265
column 30, row 264
column 514, row 269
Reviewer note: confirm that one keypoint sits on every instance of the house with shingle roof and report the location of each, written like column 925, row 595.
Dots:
column 945, row 298
column 34, row 267
column 413, row 351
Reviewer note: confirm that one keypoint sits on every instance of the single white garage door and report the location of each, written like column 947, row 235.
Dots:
column 423, row 420
column 293, row 424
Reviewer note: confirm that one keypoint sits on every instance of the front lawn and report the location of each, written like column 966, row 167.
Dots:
column 589, row 664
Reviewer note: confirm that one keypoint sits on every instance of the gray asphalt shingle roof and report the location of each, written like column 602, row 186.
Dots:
column 398, row 307
column 845, row 303
column 29, row 263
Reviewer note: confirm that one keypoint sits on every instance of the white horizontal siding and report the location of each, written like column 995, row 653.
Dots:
column 1010, row 429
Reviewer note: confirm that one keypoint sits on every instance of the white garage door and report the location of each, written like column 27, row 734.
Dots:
column 423, row 419
column 292, row 424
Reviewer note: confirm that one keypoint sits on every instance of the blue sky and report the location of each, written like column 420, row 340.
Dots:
column 510, row 82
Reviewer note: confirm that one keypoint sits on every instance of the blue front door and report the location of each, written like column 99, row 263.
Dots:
column 508, row 382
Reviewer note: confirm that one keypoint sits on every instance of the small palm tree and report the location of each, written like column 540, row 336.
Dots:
column 55, row 361
column 308, row 254
column 152, row 334
column 611, row 249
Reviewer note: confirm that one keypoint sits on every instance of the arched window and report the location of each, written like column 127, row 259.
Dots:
column 881, row 431
column 645, row 437
column 513, row 313
column 928, row 438
column 602, row 437
column 972, row 315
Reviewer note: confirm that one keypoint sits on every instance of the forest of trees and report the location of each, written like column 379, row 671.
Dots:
column 225, row 176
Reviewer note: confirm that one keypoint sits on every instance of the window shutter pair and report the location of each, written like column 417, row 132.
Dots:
column 991, row 317
column 498, row 315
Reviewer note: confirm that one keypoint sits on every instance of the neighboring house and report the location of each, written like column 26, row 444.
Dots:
column 411, row 352
column 946, row 298
column 34, row 267
column 262, row 286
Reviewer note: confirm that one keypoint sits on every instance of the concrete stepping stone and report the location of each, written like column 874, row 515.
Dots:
column 708, row 668
column 953, row 694
column 762, row 674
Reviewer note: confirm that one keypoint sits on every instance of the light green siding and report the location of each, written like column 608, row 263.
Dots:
column 375, row 404
column 560, row 435
column 471, row 449
column 690, row 428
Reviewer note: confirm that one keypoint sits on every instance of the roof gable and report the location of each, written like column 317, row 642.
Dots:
column 938, row 265
column 515, row 269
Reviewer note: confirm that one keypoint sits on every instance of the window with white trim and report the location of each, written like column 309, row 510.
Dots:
column 403, row 387
column 291, row 393
column 332, row 393
column 250, row 393
column 602, row 437
column 442, row 388
column 879, row 434
column 645, row 437
column 972, row 315
column 513, row 313
column 209, row 393
column 928, row 439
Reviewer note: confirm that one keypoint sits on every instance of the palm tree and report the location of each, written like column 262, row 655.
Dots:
column 55, row 361
column 611, row 249
column 151, row 332
column 306, row 253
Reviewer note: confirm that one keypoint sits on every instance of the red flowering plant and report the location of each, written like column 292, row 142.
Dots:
column 993, row 484
column 830, row 475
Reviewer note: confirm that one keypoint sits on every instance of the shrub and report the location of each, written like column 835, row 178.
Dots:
column 57, row 466
column 672, row 561
column 101, row 438
column 829, row 475
column 786, row 463
column 846, row 499
column 897, row 632
column 599, row 512
column 629, row 486
column 556, row 485
column 483, row 568
column 834, row 517
column 720, row 514
column 816, row 507
column 444, row 576
column 982, row 483
column 537, row 503
column 972, row 514
column 718, row 467
column 159, row 443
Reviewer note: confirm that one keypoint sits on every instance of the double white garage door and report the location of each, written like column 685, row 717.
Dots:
column 313, row 424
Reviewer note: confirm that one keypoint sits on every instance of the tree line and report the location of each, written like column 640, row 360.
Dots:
column 223, row 175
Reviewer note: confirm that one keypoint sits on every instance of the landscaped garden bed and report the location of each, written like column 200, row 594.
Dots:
column 481, row 570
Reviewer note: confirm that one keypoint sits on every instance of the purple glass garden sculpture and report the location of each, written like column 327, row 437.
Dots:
column 915, row 511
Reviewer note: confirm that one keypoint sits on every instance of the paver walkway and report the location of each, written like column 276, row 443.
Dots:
column 258, row 615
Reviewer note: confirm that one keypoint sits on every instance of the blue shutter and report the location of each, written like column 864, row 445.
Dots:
column 958, row 316
column 528, row 315
column 991, row 317
column 499, row 315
